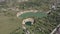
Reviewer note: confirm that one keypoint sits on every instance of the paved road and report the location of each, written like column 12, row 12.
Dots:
column 58, row 31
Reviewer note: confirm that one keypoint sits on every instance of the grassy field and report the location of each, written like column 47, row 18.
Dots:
column 8, row 22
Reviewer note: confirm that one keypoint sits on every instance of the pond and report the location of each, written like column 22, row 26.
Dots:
column 28, row 23
column 31, row 14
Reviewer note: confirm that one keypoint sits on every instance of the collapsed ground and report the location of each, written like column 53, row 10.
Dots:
column 10, row 24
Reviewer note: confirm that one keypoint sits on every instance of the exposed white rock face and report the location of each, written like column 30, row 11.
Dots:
column 23, row 27
column 22, row 0
column 26, row 11
column 28, row 20
column 27, row 32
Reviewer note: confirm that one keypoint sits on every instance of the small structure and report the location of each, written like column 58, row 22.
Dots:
column 54, row 7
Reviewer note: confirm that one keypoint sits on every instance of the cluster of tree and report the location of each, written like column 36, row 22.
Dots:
column 44, row 25
column 31, row 4
column 35, row 4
